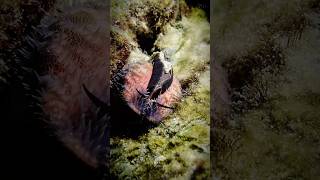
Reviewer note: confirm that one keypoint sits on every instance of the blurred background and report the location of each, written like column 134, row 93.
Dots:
column 266, row 101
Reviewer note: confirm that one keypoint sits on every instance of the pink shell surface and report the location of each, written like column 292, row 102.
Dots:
column 137, row 78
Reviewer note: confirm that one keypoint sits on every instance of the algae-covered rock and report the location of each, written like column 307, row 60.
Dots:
column 178, row 147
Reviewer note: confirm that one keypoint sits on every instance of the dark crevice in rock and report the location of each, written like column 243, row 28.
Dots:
column 155, row 19
column 146, row 42
column 201, row 4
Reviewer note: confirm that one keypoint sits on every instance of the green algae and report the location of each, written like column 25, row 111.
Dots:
column 187, row 42
column 174, row 149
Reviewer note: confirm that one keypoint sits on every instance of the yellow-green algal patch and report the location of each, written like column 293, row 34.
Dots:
column 198, row 104
column 187, row 43
column 177, row 148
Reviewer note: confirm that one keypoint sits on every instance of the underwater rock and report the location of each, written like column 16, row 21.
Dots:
column 178, row 147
